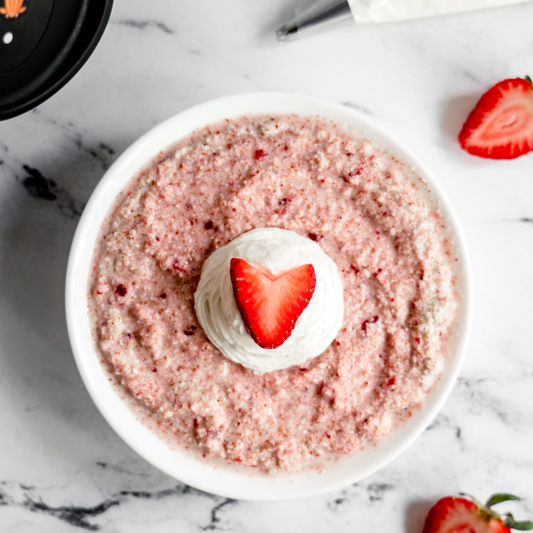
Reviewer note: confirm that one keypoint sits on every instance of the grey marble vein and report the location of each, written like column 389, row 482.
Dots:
column 119, row 469
column 82, row 140
column 55, row 186
column 215, row 521
column 196, row 52
column 443, row 421
column 39, row 186
column 144, row 24
column 372, row 492
column 360, row 108
column 29, row 498
column 6, row 164
column 482, row 397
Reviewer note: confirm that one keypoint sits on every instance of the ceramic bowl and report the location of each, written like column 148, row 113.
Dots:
column 235, row 483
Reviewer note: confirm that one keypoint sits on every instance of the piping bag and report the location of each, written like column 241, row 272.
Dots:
column 325, row 13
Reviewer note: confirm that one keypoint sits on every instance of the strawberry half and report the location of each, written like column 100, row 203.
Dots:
column 461, row 515
column 270, row 305
column 501, row 124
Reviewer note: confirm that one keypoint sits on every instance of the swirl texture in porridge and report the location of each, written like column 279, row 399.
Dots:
column 313, row 178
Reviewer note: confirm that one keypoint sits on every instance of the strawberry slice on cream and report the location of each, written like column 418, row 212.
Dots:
column 270, row 305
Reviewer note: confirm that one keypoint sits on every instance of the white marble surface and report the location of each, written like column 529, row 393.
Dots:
column 62, row 468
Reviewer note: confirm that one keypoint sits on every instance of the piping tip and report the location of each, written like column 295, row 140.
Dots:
column 288, row 32
column 322, row 15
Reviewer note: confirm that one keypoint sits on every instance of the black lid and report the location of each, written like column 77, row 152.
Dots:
column 43, row 43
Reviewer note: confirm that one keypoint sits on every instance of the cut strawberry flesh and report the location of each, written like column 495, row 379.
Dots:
column 501, row 124
column 459, row 515
column 271, row 304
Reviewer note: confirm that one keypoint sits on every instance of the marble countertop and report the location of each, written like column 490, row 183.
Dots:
column 62, row 468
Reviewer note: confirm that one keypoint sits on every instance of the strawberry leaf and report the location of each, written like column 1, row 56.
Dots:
column 499, row 498
column 524, row 525
column 527, row 78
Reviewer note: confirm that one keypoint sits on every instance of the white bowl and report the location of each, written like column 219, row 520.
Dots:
column 236, row 483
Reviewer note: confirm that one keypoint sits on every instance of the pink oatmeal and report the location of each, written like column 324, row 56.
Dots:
column 304, row 175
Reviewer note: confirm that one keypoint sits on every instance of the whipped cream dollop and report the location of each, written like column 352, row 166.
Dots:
column 278, row 250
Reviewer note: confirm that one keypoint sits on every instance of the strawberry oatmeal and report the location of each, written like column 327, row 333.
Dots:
column 376, row 289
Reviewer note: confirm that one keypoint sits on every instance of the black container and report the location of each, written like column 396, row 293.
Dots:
column 43, row 43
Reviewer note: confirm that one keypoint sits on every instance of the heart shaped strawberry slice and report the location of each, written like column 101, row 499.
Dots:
column 270, row 305
column 501, row 124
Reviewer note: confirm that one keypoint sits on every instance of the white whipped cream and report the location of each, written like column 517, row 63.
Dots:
column 278, row 250
column 377, row 11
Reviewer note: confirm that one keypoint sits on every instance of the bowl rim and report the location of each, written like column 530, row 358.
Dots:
column 184, row 467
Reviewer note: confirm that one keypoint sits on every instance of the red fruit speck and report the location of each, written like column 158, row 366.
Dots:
column 121, row 290
column 372, row 320
column 177, row 268
column 259, row 154
column 391, row 381
column 313, row 236
column 191, row 330
column 208, row 225
column 163, row 296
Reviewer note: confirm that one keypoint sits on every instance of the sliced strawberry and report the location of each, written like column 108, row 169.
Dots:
column 270, row 305
column 461, row 515
column 501, row 124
